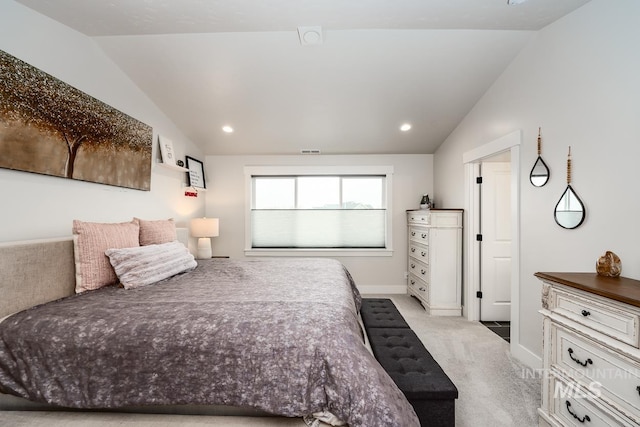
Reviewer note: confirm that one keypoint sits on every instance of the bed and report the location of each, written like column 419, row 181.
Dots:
column 267, row 337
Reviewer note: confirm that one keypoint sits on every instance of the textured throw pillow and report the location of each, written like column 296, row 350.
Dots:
column 144, row 265
column 90, row 240
column 156, row 232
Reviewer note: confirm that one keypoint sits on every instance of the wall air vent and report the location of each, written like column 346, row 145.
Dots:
column 310, row 151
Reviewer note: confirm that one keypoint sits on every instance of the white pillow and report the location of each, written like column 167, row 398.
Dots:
column 144, row 265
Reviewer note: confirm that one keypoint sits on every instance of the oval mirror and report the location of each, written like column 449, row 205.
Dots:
column 539, row 173
column 570, row 211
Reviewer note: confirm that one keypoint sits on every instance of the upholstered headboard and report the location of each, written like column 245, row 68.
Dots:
column 33, row 272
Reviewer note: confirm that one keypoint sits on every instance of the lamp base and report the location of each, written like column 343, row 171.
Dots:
column 204, row 248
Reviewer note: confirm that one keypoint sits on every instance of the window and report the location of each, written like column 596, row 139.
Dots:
column 322, row 209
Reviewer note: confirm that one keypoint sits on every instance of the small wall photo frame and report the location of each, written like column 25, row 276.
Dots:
column 166, row 150
column 196, row 173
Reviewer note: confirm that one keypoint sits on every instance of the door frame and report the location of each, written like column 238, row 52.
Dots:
column 472, row 159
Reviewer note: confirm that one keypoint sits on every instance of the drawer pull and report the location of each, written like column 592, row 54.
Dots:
column 585, row 418
column 413, row 282
column 638, row 389
column 413, row 266
column 422, row 289
column 413, row 233
column 424, row 235
column 585, row 313
column 423, row 271
column 585, row 363
column 413, row 250
column 423, row 253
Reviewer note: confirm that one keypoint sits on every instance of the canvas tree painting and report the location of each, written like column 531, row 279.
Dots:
column 52, row 128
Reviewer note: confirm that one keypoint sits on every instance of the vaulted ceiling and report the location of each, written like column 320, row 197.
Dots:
column 380, row 63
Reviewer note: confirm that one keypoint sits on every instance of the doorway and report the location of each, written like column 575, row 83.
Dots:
column 494, row 187
column 495, row 242
column 492, row 248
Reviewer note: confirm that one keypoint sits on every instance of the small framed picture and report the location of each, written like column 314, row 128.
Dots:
column 166, row 151
column 196, row 172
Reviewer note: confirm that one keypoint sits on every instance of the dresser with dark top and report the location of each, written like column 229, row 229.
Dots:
column 435, row 260
column 591, row 355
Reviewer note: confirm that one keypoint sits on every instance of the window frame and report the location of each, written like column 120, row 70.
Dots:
column 251, row 171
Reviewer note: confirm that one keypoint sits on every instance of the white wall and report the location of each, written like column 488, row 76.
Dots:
column 579, row 79
column 413, row 176
column 38, row 206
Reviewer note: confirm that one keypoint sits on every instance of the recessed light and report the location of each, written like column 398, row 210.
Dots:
column 513, row 2
column 227, row 129
column 405, row 127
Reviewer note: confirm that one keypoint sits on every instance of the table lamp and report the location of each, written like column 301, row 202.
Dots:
column 204, row 229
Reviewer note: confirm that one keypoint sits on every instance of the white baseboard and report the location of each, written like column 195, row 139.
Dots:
column 384, row 289
column 526, row 356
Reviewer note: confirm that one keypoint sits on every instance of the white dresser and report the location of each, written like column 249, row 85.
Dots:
column 591, row 360
column 435, row 260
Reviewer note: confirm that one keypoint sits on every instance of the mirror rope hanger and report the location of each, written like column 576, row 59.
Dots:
column 539, row 175
column 570, row 210
column 569, row 167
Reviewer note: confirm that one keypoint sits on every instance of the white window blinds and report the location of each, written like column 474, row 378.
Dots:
column 328, row 211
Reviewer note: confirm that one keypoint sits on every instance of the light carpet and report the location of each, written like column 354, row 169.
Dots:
column 494, row 389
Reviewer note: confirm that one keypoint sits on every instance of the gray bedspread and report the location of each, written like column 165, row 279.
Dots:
column 278, row 335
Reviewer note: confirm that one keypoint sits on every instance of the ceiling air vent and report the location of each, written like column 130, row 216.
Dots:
column 310, row 151
column 310, row 36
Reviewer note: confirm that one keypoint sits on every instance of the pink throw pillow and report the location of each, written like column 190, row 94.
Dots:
column 90, row 241
column 156, row 232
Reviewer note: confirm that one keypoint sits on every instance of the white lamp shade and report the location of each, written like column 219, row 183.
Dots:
column 204, row 227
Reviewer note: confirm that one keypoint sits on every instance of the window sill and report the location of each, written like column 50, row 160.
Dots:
column 319, row 252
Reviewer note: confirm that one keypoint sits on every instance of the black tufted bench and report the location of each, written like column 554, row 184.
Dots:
column 427, row 387
column 381, row 313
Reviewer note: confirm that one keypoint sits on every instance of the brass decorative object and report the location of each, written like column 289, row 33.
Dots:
column 609, row 265
column 540, row 173
column 570, row 211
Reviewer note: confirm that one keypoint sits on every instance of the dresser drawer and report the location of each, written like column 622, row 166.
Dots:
column 446, row 219
column 419, row 217
column 616, row 377
column 420, row 287
column 419, row 252
column 419, row 234
column 419, row 269
column 574, row 406
column 609, row 318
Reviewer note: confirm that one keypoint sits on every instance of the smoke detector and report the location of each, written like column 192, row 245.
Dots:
column 310, row 35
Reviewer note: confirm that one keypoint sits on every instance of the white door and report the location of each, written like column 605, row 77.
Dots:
column 495, row 263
